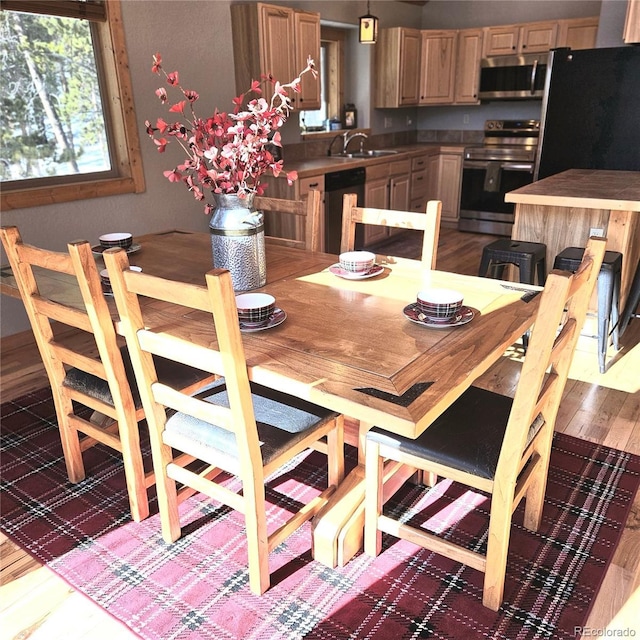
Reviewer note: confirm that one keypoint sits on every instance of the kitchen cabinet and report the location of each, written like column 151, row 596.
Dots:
column 270, row 39
column 397, row 68
column 419, row 184
column 631, row 33
column 444, row 172
column 307, row 42
column 399, row 187
column 437, row 67
column 531, row 37
column 467, row 75
column 387, row 187
column 578, row 33
column 376, row 196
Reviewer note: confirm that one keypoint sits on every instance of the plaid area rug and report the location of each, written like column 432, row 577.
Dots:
column 197, row 588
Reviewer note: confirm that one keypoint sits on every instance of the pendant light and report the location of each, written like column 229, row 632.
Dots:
column 368, row 27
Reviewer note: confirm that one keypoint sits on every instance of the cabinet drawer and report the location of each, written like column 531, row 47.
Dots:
column 418, row 164
column 399, row 166
column 418, row 183
column 419, row 205
column 311, row 183
column 377, row 171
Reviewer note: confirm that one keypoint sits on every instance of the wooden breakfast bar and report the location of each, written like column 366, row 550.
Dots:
column 561, row 211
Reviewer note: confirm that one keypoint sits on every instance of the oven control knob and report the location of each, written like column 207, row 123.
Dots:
column 498, row 124
column 490, row 124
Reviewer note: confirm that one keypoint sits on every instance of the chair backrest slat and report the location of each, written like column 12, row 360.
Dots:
column 307, row 212
column 428, row 222
column 200, row 409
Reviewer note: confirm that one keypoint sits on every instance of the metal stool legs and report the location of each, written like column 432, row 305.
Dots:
column 633, row 300
column 608, row 298
column 608, row 295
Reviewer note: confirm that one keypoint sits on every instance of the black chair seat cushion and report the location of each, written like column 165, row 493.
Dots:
column 467, row 436
column 171, row 373
column 282, row 420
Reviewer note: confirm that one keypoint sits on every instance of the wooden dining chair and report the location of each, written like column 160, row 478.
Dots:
column 488, row 441
column 428, row 222
column 238, row 427
column 302, row 219
column 85, row 363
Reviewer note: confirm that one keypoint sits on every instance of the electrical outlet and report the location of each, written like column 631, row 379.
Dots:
column 388, row 123
column 465, row 118
column 599, row 233
column 409, row 121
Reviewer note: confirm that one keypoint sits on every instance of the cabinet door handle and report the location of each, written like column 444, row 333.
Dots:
column 314, row 184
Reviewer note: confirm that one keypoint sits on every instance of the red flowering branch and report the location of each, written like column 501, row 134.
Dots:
column 226, row 152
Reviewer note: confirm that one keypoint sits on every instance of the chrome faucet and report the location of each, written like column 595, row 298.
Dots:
column 339, row 135
column 348, row 137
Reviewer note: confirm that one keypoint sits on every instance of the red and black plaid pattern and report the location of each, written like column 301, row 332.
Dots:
column 197, row 588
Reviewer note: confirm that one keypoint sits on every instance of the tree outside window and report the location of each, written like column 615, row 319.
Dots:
column 51, row 123
column 58, row 139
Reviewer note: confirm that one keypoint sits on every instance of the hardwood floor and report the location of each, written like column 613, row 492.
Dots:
column 604, row 408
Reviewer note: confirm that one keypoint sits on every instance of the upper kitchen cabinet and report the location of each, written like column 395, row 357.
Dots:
column 307, row 41
column 397, row 68
column 468, row 66
column 632, row 22
column 531, row 37
column 269, row 39
column 437, row 67
column 578, row 33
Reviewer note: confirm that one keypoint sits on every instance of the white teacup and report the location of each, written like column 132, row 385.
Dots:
column 357, row 261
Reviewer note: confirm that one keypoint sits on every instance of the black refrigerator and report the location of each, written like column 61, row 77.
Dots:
column 590, row 111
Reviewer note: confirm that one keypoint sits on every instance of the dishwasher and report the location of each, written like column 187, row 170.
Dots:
column 336, row 184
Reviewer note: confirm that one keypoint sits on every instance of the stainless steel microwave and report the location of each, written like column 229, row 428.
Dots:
column 513, row 77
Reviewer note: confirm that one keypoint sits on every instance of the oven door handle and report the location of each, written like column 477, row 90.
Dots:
column 517, row 166
column 505, row 166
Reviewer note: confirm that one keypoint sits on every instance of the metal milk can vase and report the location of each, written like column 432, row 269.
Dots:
column 237, row 240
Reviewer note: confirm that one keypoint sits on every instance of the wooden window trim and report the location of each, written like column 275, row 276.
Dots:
column 127, row 159
column 336, row 41
column 94, row 10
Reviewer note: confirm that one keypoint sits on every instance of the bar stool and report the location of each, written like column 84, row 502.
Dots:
column 529, row 257
column 633, row 300
column 608, row 293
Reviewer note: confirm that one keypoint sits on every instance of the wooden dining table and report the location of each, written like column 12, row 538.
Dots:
column 345, row 344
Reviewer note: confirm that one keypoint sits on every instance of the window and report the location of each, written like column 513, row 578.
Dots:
column 67, row 123
column 331, row 72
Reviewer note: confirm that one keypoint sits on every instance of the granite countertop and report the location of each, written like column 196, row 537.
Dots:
column 327, row 164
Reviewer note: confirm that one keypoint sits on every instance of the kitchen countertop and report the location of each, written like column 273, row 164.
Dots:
column 327, row 164
column 584, row 188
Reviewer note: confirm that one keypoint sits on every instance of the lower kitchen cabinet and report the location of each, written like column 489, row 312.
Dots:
column 387, row 186
column 376, row 196
column 444, row 178
column 399, row 188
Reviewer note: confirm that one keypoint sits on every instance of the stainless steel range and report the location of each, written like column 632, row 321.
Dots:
column 502, row 163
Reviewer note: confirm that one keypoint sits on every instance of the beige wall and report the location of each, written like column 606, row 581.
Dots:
column 194, row 37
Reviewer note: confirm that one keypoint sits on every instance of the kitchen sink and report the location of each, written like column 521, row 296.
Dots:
column 371, row 153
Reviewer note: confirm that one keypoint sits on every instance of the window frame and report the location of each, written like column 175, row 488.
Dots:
column 334, row 39
column 122, row 127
